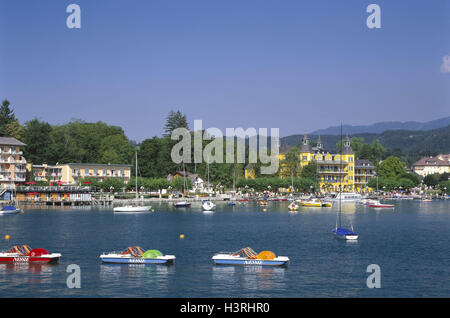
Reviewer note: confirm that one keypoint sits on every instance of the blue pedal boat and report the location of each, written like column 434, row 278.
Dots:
column 247, row 256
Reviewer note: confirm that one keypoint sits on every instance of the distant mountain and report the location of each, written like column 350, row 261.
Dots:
column 405, row 141
column 378, row 128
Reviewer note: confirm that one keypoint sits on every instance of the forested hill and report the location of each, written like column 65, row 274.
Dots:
column 381, row 127
column 428, row 142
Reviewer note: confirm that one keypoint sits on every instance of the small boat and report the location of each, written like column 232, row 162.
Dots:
column 347, row 197
column 378, row 204
column 339, row 231
column 263, row 203
column 313, row 203
column 25, row 254
column 135, row 255
column 132, row 208
column 345, row 234
column 427, row 200
column 231, row 203
column 9, row 209
column 182, row 204
column 369, row 201
column 208, row 205
column 293, row 206
column 327, row 204
column 247, row 256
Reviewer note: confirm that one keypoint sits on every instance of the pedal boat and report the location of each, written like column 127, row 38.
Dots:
column 135, row 255
column 293, row 206
column 378, row 204
column 25, row 254
column 247, row 256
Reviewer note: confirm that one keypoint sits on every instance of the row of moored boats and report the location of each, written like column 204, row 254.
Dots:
column 137, row 255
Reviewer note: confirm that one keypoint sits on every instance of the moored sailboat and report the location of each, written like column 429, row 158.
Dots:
column 134, row 208
column 339, row 231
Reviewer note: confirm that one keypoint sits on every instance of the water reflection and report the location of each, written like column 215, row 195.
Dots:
column 249, row 277
column 29, row 272
column 136, row 276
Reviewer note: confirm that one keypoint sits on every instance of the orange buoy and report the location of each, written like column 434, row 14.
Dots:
column 7, row 237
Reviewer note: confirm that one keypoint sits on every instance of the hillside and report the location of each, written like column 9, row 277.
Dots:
column 407, row 141
column 381, row 127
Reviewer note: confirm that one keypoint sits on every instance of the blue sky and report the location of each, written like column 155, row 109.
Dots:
column 293, row 65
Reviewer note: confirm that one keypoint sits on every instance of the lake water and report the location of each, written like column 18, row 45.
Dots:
column 409, row 243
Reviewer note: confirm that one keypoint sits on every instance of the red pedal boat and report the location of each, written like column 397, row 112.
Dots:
column 25, row 254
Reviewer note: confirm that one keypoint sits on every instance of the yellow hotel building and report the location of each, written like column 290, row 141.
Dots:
column 74, row 173
column 333, row 169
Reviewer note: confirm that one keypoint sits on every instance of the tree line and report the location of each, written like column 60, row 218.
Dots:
column 81, row 142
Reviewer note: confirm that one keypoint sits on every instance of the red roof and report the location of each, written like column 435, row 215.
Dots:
column 431, row 161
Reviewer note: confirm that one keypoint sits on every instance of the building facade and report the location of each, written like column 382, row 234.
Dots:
column 12, row 163
column 333, row 169
column 74, row 173
column 431, row 165
column 364, row 171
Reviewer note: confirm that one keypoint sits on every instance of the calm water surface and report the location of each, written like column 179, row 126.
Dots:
column 409, row 243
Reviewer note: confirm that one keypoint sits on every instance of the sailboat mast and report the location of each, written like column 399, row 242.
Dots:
column 184, row 180
column 340, row 179
column 135, row 174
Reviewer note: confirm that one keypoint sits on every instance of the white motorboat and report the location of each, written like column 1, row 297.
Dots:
column 182, row 204
column 347, row 197
column 132, row 208
column 208, row 205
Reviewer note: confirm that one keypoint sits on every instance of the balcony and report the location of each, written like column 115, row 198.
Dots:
column 332, row 171
column 367, row 175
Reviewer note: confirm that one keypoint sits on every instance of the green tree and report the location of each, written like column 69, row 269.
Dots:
column 6, row 117
column 174, row 120
column 16, row 130
column 391, row 168
column 310, row 171
column 291, row 163
column 116, row 149
column 148, row 157
column 431, row 180
column 37, row 139
column 414, row 178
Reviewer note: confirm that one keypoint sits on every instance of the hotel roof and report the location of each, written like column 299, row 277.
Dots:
column 431, row 161
column 95, row 164
column 363, row 163
column 10, row 141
